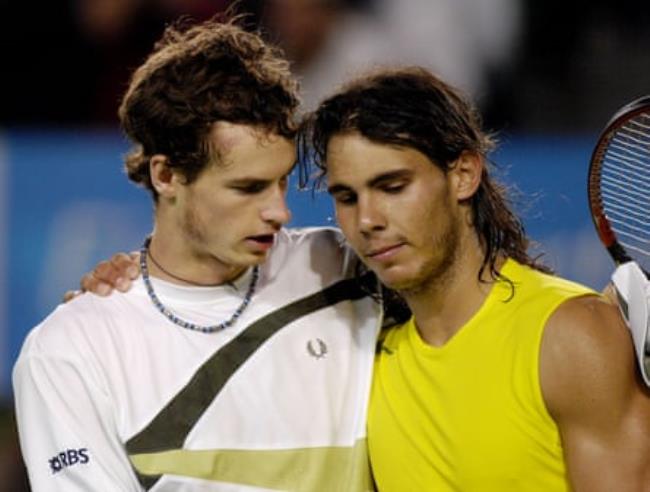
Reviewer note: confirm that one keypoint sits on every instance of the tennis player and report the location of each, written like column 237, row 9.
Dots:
column 237, row 362
column 505, row 377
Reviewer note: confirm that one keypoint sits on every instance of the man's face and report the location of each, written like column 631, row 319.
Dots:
column 231, row 212
column 396, row 208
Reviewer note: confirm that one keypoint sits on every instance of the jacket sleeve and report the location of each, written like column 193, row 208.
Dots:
column 67, row 426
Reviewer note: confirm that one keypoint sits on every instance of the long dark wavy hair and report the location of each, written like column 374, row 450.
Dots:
column 198, row 75
column 413, row 108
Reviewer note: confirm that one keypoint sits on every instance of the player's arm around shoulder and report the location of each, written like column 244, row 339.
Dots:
column 592, row 390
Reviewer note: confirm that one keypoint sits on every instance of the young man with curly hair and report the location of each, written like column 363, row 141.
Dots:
column 236, row 362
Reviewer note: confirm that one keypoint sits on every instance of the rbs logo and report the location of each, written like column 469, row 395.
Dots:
column 69, row 457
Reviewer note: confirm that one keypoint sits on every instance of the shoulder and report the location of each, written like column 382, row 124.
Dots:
column 588, row 327
column 586, row 355
column 73, row 328
column 593, row 390
column 317, row 249
column 323, row 236
column 530, row 281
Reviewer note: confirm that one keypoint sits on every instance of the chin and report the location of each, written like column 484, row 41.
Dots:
column 258, row 261
column 410, row 278
column 255, row 258
column 244, row 260
column 398, row 280
column 403, row 286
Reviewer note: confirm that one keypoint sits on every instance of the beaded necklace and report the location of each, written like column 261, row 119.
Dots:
column 144, row 251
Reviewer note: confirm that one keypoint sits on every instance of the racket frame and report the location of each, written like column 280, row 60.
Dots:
column 601, row 222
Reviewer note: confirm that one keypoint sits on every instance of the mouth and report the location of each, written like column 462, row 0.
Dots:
column 384, row 253
column 262, row 242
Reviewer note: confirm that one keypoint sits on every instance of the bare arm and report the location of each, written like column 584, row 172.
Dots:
column 116, row 273
column 593, row 391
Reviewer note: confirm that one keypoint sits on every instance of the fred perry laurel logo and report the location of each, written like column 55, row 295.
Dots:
column 317, row 348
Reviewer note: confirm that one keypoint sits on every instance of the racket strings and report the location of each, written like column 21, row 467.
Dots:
column 630, row 190
column 625, row 187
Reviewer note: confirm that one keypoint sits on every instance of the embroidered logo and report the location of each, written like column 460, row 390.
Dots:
column 317, row 348
column 69, row 457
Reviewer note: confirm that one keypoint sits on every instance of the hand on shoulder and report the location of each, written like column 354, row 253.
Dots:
column 116, row 273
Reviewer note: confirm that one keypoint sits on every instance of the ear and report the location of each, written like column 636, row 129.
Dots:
column 466, row 174
column 163, row 179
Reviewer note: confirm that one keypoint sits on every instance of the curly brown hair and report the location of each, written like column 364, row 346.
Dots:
column 198, row 75
column 412, row 107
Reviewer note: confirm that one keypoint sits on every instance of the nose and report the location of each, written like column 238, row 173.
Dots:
column 370, row 216
column 275, row 210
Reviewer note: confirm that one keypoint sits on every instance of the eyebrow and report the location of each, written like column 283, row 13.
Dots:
column 374, row 182
column 390, row 176
column 253, row 180
column 247, row 181
column 337, row 188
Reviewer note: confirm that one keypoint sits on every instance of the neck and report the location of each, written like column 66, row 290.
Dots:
column 175, row 259
column 444, row 305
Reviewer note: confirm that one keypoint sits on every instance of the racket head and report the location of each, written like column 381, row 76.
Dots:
column 619, row 185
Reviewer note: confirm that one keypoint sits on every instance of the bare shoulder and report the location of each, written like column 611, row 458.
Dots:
column 587, row 329
column 587, row 359
column 593, row 391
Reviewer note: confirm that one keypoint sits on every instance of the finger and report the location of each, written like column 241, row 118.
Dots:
column 135, row 258
column 127, row 265
column 106, row 272
column 89, row 283
column 127, row 270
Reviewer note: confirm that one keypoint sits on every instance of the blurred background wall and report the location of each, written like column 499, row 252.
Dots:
column 546, row 75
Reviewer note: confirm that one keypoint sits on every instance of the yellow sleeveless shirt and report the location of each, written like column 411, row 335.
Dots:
column 469, row 415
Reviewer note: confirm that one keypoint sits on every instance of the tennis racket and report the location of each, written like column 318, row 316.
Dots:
column 619, row 185
column 619, row 198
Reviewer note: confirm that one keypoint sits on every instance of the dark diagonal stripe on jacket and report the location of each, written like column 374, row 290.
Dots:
column 170, row 427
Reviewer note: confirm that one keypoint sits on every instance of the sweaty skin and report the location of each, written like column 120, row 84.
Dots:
column 428, row 250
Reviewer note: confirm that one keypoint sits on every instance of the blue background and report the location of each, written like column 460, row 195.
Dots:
column 65, row 204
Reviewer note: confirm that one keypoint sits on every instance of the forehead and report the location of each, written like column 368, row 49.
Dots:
column 249, row 150
column 353, row 157
column 226, row 137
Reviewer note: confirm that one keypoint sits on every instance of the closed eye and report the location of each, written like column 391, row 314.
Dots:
column 250, row 188
column 345, row 198
column 392, row 182
column 342, row 194
column 393, row 188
